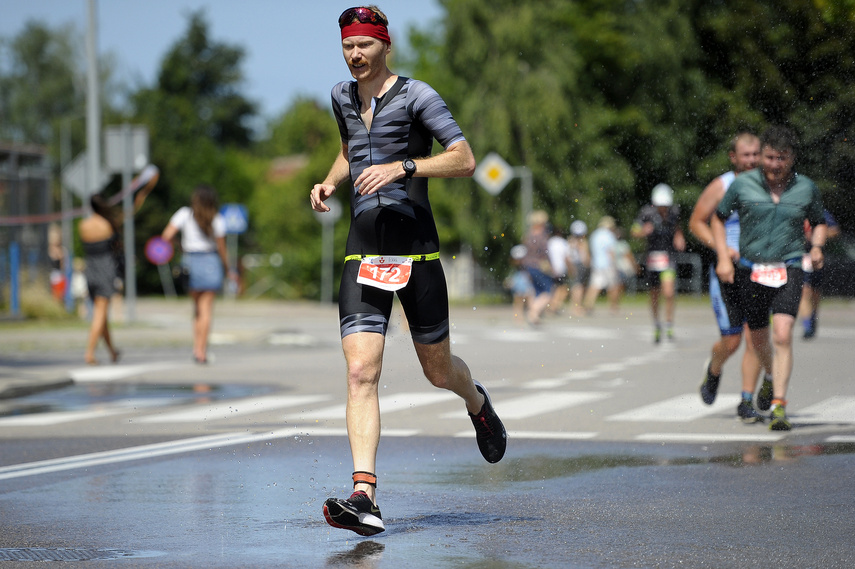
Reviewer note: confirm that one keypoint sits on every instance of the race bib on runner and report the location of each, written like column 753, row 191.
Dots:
column 658, row 261
column 769, row 274
column 387, row 273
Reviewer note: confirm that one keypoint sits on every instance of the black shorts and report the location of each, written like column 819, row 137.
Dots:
column 364, row 308
column 727, row 305
column 759, row 301
column 653, row 279
column 814, row 278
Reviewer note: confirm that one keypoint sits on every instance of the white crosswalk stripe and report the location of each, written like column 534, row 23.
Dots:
column 390, row 403
column 231, row 409
column 512, row 406
column 94, row 374
column 680, row 409
column 539, row 404
column 837, row 409
column 766, row 437
column 58, row 417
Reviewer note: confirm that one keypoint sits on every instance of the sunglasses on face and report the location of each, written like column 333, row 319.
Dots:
column 362, row 15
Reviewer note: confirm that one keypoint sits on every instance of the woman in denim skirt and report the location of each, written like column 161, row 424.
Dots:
column 203, row 241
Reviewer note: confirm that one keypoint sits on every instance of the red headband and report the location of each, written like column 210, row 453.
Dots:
column 379, row 31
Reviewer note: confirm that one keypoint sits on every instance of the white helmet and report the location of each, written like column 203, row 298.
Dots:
column 578, row 228
column 662, row 195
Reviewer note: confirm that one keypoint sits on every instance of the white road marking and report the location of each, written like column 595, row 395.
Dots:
column 835, row 409
column 841, row 439
column 92, row 374
column 539, row 404
column 680, row 409
column 390, row 403
column 57, row 417
column 709, row 437
column 547, row 435
column 138, row 453
column 230, row 409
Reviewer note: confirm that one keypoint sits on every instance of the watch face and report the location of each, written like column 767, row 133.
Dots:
column 409, row 166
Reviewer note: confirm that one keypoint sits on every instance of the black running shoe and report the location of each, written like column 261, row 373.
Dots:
column 489, row 430
column 764, row 396
column 358, row 514
column 709, row 388
column 746, row 413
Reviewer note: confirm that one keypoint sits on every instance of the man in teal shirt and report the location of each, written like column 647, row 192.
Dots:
column 773, row 202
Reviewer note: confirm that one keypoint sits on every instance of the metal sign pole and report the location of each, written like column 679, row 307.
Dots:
column 128, row 208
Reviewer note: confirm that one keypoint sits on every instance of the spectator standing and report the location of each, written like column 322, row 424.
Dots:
column 579, row 266
column 604, row 275
column 558, row 249
column 99, row 235
column 203, row 244
column 627, row 268
column 536, row 262
column 519, row 283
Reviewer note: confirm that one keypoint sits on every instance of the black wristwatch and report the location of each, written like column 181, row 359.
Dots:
column 409, row 167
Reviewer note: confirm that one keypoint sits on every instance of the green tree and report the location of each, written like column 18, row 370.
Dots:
column 788, row 63
column 307, row 136
column 597, row 98
column 43, row 87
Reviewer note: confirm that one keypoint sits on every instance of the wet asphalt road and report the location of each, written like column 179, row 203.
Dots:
column 128, row 483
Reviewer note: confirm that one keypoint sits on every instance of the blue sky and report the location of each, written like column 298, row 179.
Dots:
column 292, row 48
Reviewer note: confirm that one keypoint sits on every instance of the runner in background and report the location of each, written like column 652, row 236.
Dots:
column 659, row 224
column 744, row 154
column 812, row 287
column 773, row 202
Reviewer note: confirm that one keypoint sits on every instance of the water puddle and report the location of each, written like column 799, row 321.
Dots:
column 70, row 554
column 546, row 467
column 129, row 395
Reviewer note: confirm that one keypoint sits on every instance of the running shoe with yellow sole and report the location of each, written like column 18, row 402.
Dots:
column 778, row 419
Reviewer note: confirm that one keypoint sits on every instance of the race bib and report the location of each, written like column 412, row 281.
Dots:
column 387, row 273
column 769, row 274
column 658, row 261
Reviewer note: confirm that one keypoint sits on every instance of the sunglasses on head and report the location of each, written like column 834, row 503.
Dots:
column 362, row 15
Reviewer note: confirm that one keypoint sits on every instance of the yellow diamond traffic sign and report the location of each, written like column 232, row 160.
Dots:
column 493, row 173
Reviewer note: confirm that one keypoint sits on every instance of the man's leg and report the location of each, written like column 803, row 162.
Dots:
column 363, row 352
column 654, row 302
column 722, row 350
column 669, row 286
column 752, row 365
column 782, row 338
column 450, row 372
column 759, row 340
column 446, row 371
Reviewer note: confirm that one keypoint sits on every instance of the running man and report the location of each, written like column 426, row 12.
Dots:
column 772, row 201
column 659, row 223
column 387, row 125
column 744, row 154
